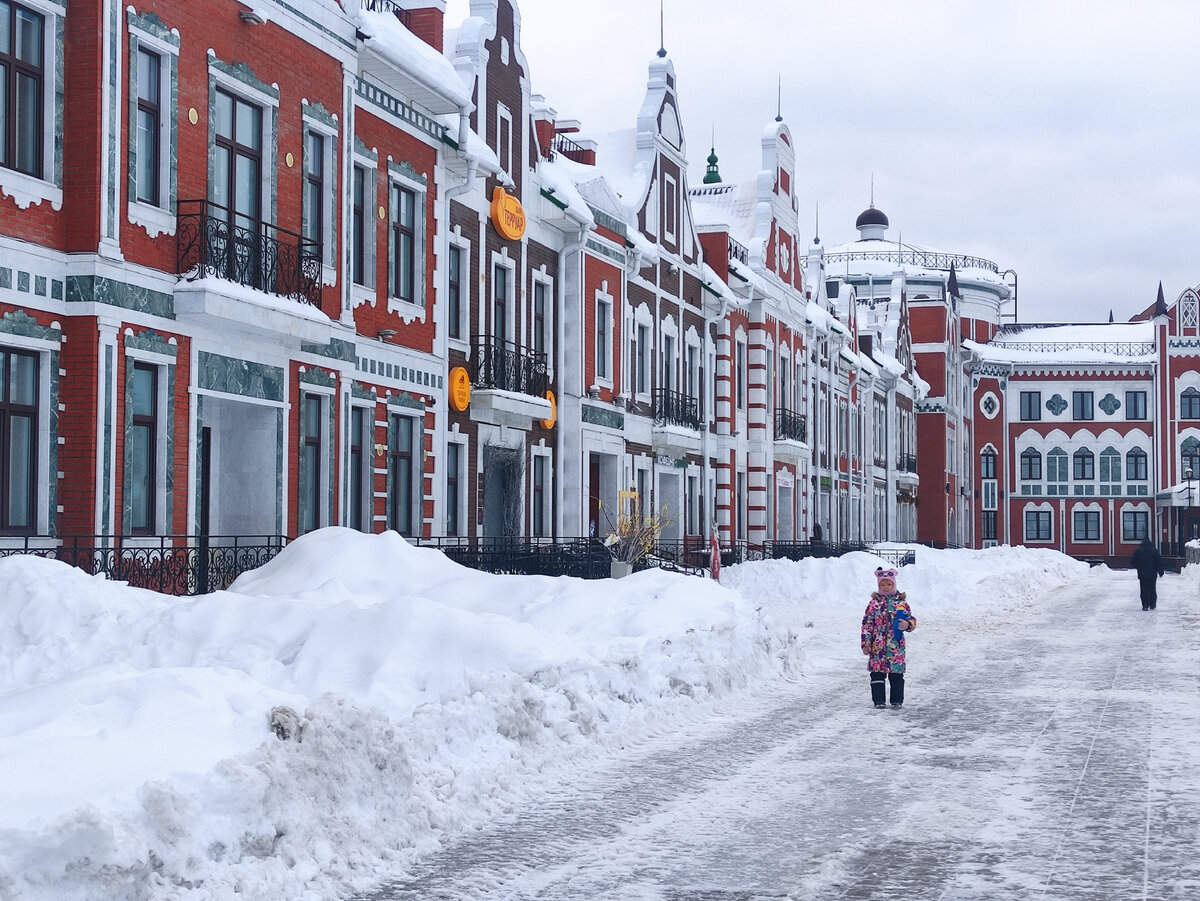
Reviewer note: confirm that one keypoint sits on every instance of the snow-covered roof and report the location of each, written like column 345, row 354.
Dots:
column 1117, row 342
column 476, row 148
column 734, row 206
column 431, row 79
column 871, row 258
column 616, row 159
column 748, row 275
column 557, row 180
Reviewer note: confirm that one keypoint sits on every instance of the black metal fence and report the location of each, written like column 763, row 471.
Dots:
column 581, row 557
column 790, row 426
column 675, row 408
column 214, row 241
column 506, row 366
column 907, row 463
column 170, row 564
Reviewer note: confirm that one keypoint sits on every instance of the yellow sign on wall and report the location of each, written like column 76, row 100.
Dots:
column 459, row 388
column 549, row 423
column 508, row 216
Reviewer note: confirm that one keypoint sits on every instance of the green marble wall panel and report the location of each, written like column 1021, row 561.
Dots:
column 231, row 376
column 613, row 419
column 96, row 289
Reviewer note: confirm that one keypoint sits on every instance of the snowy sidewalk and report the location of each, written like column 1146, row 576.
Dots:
column 1047, row 756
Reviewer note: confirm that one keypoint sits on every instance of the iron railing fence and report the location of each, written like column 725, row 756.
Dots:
column 926, row 259
column 1115, row 348
column 739, row 252
column 212, row 240
column 675, row 408
column 790, row 426
column 800, row 550
column 907, row 463
column 583, row 558
column 169, row 564
column 389, row 6
column 506, row 366
column 571, row 149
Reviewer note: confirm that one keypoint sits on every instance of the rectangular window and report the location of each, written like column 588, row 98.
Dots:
column 668, row 363
column 1031, row 406
column 314, row 188
column 1031, row 466
column 1081, row 405
column 670, row 202
column 1087, row 525
column 404, row 242
column 643, row 350
column 1037, row 525
column 603, row 326
column 453, row 475
column 1135, row 404
column 740, row 367
column 18, row 437
column 1136, row 467
column 360, row 457
column 693, row 505
column 310, row 462
column 539, row 497
column 454, row 291
column 1135, row 525
column 237, row 171
column 1085, row 466
column 693, row 372
column 143, row 450
column 643, row 492
column 359, row 217
column 22, row 70
column 742, row 510
column 499, row 304
column 540, row 343
column 149, row 124
column 401, row 475
column 504, row 139
column 988, row 525
column 987, row 466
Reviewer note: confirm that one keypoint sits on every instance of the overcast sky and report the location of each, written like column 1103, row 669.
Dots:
column 1059, row 139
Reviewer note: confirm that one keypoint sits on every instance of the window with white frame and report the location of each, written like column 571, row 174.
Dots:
column 1086, row 525
column 313, row 453
column 406, row 236
column 539, row 502
column 404, row 435
column 456, row 287
column 1135, row 525
column 319, row 199
column 1038, row 526
column 364, row 181
column 242, row 119
column 542, row 339
column 603, row 346
column 1189, row 311
column 670, row 208
column 358, row 499
column 24, row 439
column 740, row 374
column 455, row 454
column 502, row 301
column 743, row 510
column 145, row 450
column 668, row 363
column 642, row 359
column 504, row 133
column 692, row 373
column 30, row 156
column 153, row 62
column 693, row 505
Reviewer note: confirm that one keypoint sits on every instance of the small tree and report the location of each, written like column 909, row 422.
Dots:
column 634, row 535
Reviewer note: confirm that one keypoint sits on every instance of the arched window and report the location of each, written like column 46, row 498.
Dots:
column 1085, row 464
column 1110, row 465
column 1135, row 465
column 1189, row 404
column 987, row 464
column 1189, row 314
column 1056, row 465
column 1031, row 464
column 1189, row 458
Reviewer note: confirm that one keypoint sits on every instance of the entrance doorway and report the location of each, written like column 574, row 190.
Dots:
column 501, row 492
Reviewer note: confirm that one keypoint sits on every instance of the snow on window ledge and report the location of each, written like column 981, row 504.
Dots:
column 155, row 220
column 25, row 190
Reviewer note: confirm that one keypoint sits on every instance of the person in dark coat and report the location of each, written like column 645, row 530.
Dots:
column 1149, row 565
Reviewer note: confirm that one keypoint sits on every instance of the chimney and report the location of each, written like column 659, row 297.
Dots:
column 424, row 18
column 544, row 117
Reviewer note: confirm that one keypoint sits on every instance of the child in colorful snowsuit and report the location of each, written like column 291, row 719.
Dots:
column 887, row 618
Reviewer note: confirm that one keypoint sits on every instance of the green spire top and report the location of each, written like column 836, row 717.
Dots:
column 712, row 175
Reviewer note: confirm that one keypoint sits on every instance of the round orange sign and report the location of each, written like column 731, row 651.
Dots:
column 460, row 388
column 549, row 423
column 508, row 216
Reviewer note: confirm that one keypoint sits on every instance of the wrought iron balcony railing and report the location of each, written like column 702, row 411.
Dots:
column 388, row 6
column 910, row 256
column 506, row 366
column 675, row 408
column 215, row 241
column 907, row 463
column 790, row 426
column 571, row 149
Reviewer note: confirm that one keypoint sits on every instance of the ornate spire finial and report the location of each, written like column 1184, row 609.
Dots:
column 872, row 190
column 662, row 33
column 817, row 227
column 712, row 175
column 779, row 101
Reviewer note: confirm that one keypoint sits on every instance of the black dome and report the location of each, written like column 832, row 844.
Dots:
column 871, row 216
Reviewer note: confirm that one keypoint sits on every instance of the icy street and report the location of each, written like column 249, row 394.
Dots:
column 1047, row 753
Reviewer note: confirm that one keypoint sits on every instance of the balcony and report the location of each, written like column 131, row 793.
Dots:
column 509, row 385
column 791, row 435
column 676, row 429
column 906, row 469
column 213, row 242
